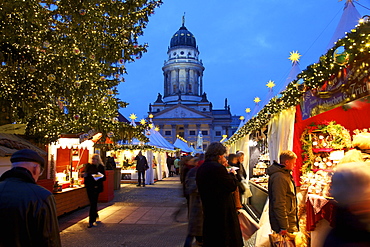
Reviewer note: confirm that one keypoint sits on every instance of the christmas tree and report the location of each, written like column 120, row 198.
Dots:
column 61, row 62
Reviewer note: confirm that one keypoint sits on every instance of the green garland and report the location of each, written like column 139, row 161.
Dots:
column 357, row 51
column 341, row 139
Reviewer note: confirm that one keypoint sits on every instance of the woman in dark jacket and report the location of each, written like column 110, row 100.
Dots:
column 94, row 176
column 215, row 185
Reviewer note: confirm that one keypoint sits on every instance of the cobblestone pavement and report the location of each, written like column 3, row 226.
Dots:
column 154, row 216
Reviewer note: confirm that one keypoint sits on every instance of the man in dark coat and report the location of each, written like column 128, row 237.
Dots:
column 215, row 185
column 282, row 194
column 27, row 211
column 141, row 167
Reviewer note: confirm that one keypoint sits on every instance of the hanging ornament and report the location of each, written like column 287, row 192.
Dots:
column 46, row 44
column 60, row 104
column 115, row 120
column 76, row 51
column 341, row 56
column 82, row 12
column 110, row 92
column 92, row 56
column 76, row 117
column 104, row 99
column 102, row 78
column 51, row 77
column 294, row 56
column 270, row 84
column 121, row 61
column 77, row 83
column 34, row 96
column 110, row 134
column 116, row 76
column 32, row 69
column 132, row 116
column 248, row 110
column 142, row 121
column 257, row 100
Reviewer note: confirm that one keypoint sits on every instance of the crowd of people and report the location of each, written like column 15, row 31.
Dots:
column 213, row 187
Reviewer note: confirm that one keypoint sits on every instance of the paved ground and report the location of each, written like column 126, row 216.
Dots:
column 154, row 216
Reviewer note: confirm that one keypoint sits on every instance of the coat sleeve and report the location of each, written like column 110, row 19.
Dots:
column 279, row 189
column 51, row 227
column 228, row 180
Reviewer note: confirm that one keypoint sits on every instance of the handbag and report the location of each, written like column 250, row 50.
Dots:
column 277, row 240
column 248, row 225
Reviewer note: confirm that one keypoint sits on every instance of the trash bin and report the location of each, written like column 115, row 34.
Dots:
column 117, row 178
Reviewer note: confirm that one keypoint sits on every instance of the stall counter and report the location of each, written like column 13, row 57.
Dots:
column 257, row 201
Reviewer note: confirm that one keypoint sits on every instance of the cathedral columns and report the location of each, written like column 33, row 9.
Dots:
column 201, row 82
column 173, row 132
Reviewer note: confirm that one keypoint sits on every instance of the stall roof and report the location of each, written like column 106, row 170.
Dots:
column 156, row 139
column 182, row 145
column 10, row 143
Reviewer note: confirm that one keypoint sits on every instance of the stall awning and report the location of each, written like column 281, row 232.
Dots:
column 183, row 146
column 10, row 143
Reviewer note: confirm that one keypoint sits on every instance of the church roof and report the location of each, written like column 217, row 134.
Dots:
column 183, row 38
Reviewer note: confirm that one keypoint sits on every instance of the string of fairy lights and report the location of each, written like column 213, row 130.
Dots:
column 351, row 51
column 61, row 63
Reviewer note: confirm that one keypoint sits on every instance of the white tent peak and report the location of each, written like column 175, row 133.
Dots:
column 348, row 21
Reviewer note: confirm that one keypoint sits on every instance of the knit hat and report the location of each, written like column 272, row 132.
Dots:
column 27, row 155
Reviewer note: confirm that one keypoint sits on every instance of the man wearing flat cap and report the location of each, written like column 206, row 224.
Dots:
column 27, row 210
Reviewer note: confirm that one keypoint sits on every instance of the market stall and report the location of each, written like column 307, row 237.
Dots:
column 317, row 116
column 155, row 152
column 67, row 157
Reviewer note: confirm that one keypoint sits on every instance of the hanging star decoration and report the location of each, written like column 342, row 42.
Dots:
column 156, row 128
column 241, row 118
column 151, row 125
column 132, row 116
column 257, row 100
column 248, row 110
column 294, row 56
column 142, row 121
column 151, row 116
column 270, row 84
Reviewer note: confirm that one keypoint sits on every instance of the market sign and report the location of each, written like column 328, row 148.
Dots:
column 349, row 84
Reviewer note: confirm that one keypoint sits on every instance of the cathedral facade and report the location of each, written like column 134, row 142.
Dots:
column 183, row 109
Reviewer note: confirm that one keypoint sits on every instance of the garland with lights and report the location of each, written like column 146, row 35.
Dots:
column 338, row 136
column 356, row 53
column 142, row 147
column 61, row 62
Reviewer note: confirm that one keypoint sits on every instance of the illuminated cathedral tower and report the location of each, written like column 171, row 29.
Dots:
column 184, row 109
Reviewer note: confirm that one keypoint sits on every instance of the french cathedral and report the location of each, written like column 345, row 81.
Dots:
column 183, row 109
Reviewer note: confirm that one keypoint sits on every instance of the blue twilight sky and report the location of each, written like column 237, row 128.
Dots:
column 243, row 44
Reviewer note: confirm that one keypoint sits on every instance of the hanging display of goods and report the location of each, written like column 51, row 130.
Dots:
column 323, row 146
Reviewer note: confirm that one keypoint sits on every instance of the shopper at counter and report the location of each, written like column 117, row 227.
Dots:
column 215, row 185
column 93, row 178
column 27, row 210
column 282, row 194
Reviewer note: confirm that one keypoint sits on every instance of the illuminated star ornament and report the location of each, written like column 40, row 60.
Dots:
column 156, row 128
column 270, row 84
column 132, row 116
column 257, row 100
column 142, row 121
column 241, row 118
column 248, row 110
column 294, row 56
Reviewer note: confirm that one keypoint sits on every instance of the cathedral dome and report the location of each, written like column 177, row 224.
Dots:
column 183, row 38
